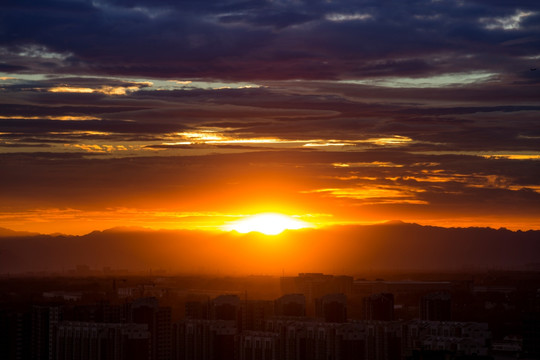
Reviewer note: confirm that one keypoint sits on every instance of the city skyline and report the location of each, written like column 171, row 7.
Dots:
column 304, row 316
column 194, row 115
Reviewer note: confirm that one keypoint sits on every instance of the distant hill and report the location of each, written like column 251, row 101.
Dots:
column 344, row 249
column 12, row 233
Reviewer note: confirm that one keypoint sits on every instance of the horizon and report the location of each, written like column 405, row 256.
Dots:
column 224, row 229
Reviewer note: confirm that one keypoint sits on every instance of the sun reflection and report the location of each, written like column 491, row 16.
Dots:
column 267, row 223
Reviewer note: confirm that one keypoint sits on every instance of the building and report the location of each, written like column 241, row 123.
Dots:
column 316, row 285
column 458, row 338
column 158, row 320
column 225, row 307
column 332, row 308
column 258, row 345
column 531, row 334
column 44, row 320
column 196, row 309
column 102, row 341
column 436, row 307
column 378, row 307
column 15, row 333
column 101, row 311
column 291, row 305
column 206, row 340
column 254, row 313
column 308, row 339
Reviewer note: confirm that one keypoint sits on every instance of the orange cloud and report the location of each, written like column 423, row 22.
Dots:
column 104, row 89
column 51, row 117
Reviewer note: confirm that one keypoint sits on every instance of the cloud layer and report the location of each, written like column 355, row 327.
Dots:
column 287, row 39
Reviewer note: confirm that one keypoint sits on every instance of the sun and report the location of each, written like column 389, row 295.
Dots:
column 267, row 223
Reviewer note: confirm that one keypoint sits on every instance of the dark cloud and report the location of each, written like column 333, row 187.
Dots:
column 499, row 118
column 439, row 179
column 267, row 40
column 11, row 68
column 24, row 144
column 48, row 126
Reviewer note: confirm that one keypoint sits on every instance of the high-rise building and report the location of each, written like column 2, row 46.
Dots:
column 158, row 319
column 15, row 334
column 44, row 320
column 465, row 338
column 291, row 305
column 306, row 339
column 206, row 340
column 436, row 307
column 102, row 312
column 531, row 334
column 254, row 313
column 316, row 285
column 196, row 309
column 225, row 307
column 101, row 341
column 379, row 307
column 258, row 345
column 332, row 308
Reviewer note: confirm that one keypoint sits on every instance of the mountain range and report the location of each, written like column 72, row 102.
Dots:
column 340, row 249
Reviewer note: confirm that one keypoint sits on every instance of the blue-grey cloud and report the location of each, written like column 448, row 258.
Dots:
column 272, row 40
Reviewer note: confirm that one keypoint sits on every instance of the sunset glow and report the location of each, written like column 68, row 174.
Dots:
column 267, row 224
column 243, row 108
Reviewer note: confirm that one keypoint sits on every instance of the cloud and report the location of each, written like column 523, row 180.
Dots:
column 300, row 114
column 511, row 22
column 264, row 40
column 423, row 186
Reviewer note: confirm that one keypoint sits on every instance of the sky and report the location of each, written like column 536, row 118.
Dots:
column 194, row 114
